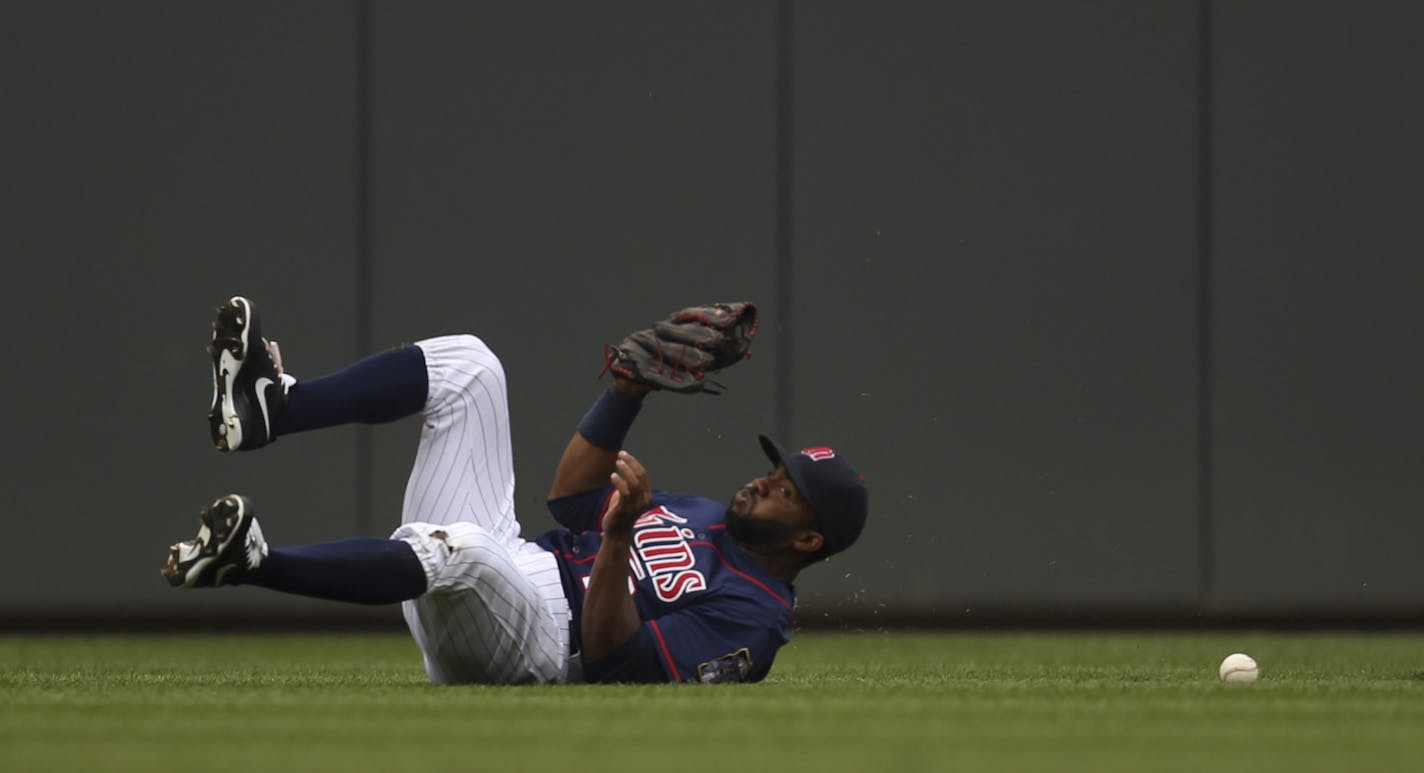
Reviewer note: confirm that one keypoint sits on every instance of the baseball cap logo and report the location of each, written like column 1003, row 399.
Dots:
column 819, row 453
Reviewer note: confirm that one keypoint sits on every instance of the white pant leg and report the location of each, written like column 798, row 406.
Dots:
column 464, row 467
column 493, row 611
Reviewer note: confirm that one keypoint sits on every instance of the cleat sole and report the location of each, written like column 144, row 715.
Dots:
column 188, row 562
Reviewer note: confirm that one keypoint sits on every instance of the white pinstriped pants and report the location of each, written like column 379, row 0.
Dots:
column 494, row 611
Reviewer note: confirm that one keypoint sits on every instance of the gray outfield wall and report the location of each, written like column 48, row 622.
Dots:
column 1114, row 303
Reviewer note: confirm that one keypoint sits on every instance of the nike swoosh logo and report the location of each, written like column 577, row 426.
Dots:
column 262, row 384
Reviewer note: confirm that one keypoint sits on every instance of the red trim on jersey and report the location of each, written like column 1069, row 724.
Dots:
column 663, row 644
column 603, row 508
column 717, row 527
column 577, row 561
column 744, row 575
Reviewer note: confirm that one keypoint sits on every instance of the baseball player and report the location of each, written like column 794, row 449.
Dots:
column 639, row 585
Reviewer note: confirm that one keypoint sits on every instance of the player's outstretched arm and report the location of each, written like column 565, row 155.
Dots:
column 609, row 616
column 590, row 456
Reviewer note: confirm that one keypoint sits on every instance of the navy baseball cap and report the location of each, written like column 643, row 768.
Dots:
column 836, row 492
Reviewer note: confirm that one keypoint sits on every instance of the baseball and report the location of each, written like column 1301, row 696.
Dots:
column 1238, row 667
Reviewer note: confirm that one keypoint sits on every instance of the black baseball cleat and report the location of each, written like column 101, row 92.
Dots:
column 228, row 546
column 248, row 391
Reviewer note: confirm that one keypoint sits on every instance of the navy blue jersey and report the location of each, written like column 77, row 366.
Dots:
column 710, row 613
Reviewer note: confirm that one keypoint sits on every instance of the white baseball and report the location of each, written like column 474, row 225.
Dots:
column 1238, row 667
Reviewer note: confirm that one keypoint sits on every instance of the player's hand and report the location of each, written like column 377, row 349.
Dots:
column 631, row 497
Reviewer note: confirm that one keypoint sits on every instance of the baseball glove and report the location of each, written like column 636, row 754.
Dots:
column 677, row 353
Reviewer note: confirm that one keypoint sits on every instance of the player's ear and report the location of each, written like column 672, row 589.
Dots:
column 808, row 541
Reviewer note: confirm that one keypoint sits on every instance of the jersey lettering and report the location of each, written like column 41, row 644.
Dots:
column 659, row 514
column 660, row 551
column 672, row 587
column 660, row 547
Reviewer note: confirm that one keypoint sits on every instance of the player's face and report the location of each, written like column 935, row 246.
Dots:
column 768, row 511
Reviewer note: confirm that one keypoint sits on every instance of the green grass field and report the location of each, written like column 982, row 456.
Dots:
column 864, row 702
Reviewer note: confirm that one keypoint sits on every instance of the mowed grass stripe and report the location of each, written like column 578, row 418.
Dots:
column 1076, row 701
